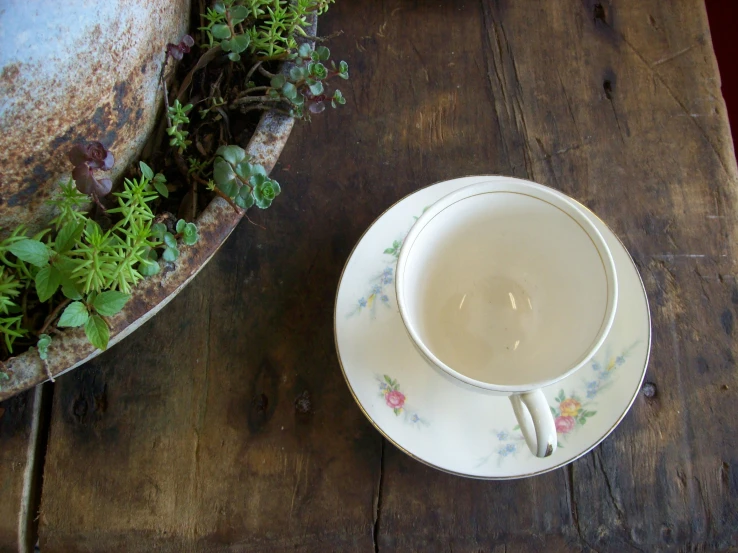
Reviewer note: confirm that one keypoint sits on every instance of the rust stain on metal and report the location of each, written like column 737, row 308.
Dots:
column 97, row 91
column 215, row 224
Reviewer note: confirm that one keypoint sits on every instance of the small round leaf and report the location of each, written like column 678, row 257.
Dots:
column 220, row 31
column 278, row 81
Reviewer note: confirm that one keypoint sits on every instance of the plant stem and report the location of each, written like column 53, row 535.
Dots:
column 323, row 38
column 230, row 23
column 220, row 193
column 264, row 71
column 194, row 199
column 265, row 107
column 53, row 315
column 250, row 99
column 256, row 66
column 166, row 92
column 205, row 59
column 254, row 89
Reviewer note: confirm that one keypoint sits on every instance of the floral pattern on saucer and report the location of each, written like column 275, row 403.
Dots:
column 571, row 411
column 446, row 425
column 377, row 294
column 389, row 391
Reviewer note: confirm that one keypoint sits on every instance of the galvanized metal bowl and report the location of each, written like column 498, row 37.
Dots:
column 70, row 72
column 129, row 114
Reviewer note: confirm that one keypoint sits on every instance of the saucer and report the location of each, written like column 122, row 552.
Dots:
column 449, row 426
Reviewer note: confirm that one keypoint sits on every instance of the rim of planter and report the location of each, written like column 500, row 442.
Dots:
column 71, row 348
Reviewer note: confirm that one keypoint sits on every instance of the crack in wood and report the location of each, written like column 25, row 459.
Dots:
column 574, row 509
column 378, row 500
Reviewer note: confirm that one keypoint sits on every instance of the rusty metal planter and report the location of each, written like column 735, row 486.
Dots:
column 71, row 347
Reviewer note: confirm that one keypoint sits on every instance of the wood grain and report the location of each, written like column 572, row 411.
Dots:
column 22, row 439
column 225, row 425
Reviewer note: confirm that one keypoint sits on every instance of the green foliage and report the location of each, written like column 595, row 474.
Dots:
column 94, row 268
column 177, row 114
column 246, row 184
column 304, row 89
column 70, row 204
column 267, row 28
column 10, row 319
column 158, row 181
column 44, row 341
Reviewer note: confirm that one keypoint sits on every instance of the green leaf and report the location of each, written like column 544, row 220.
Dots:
column 389, row 250
column 323, row 53
column 318, row 70
column 158, row 230
column 148, row 267
column 397, row 411
column 316, row 88
column 244, row 200
column 561, row 397
column 244, row 170
column 47, row 282
column 232, row 154
column 388, row 380
column 582, row 421
column 110, row 302
column 297, row 73
column 589, row 413
column 230, row 189
column 553, row 411
column 234, row 56
column 516, row 427
column 146, row 170
column 91, row 227
column 338, row 98
column 239, row 43
column 220, row 31
column 68, row 235
column 223, row 172
column 70, row 291
column 180, row 225
column 170, row 254
column 304, row 50
column 161, row 188
column 31, row 251
column 75, row 314
column 170, row 240
column 44, row 341
column 289, row 90
column 343, row 70
column 238, row 14
column 277, row 81
column 259, row 169
column 219, row 7
column 189, row 234
column 97, row 332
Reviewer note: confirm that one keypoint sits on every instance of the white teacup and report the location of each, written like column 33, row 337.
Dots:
column 507, row 286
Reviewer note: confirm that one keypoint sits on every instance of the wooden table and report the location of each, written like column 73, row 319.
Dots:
column 225, row 423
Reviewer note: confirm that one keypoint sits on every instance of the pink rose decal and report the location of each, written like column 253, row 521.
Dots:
column 389, row 390
column 394, row 399
column 564, row 424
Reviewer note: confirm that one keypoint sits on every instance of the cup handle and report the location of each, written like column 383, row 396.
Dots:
column 536, row 422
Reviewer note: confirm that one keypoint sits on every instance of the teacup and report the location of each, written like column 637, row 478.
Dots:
column 507, row 286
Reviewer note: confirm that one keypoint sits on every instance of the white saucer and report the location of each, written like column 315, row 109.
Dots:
column 470, row 433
